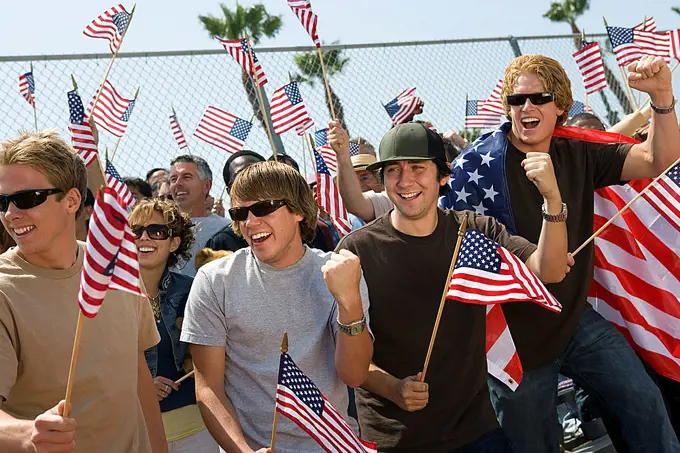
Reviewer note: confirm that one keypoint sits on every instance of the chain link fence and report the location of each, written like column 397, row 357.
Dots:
column 444, row 72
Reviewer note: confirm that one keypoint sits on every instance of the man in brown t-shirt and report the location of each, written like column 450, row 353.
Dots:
column 405, row 256
column 114, row 406
column 577, row 342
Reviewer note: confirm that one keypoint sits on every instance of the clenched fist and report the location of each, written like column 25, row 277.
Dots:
column 540, row 171
column 342, row 273
column 410, row 394
column 338, row 139
column 651, row 75
column 52, row 432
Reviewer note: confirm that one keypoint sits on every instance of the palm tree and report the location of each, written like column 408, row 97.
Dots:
column 257, row 22
column 309, row 65
column 567, row 12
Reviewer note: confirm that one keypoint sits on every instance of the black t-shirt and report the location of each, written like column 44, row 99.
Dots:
column 406, row 276
column 580, row 167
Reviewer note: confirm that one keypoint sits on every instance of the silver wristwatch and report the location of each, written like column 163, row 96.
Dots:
column 353, row 328
column 561, row 217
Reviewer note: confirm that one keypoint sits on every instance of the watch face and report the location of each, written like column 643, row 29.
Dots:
column 357, row 329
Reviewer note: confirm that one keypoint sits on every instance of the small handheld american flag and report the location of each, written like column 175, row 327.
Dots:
column 112, row 111
column 223, row 130
column 82, row 137
column 177, row 131
column 324, row 148
column 477, row 117
column 403, row 107
column 27, row 87
column 301, row 128
column 238, row 48
column 494, row 104
column 328, row 197
column 309, row 20
column 110, row 254
column 288, row 109
column 578, row 107
column 589, row 61
column 300, row 400
column 111, row 25
column 115, row 182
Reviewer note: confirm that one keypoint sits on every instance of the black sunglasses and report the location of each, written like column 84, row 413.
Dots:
column 26, row 199
column 259, row 209
column 535, row 98
column 154, row 230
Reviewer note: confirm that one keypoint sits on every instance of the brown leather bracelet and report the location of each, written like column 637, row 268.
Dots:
column 662, row 110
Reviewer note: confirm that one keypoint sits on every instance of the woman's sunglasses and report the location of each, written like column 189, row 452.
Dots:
column 259, row 209
column 154, row 230
column 535, row 98
column 26, row 199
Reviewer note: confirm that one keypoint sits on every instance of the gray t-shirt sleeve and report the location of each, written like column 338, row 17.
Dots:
column 204, row 319
column 365, row 304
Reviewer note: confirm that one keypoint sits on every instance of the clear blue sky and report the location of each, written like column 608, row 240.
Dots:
column 54, row 27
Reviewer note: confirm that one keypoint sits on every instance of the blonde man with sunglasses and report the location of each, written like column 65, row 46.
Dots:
column 240, row 306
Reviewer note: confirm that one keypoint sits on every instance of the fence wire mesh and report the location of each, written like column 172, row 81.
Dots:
column 444, row 72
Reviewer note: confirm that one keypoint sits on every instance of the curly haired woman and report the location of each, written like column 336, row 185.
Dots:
column 163, row 236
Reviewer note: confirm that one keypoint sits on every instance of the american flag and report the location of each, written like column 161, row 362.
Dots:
column 288, row 109
column 403, row 106
column 477, row 117
column 353, row 149
column 324, row 148
column 177, row 132
column 578, row 107
column 589, row 61
column 674, row 45
column 238, row 48
column 27, row 87
column 647, row 25
column 630, row 44
column 301, row 128
column 112, row 111
column 223, row 130
column 494, row 104
column 300, row 400
column 110, row 254
column 502, row 359
column 82, row 137
column 654, row 44
column 309, row 20
column 328, row 197
column 486, row 273
column 115, row 181
column 110, row 25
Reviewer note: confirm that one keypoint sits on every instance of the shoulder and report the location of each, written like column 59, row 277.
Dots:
column 367, row 234
column 319, row 255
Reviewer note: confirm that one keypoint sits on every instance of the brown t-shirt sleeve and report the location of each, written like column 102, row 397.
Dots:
column 148, row 335
column 607, row 160
column 496, row 231
column 9, row 362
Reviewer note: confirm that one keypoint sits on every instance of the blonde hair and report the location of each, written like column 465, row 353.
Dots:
column 206, row 255
column 549, row 71
column 48, row 153
column 276, row 181
column 178, row 222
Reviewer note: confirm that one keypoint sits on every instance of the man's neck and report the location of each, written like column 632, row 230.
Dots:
column 152, row 278
column 295, row 252
column 197, row 211
column 543, row 147
column 62, row 255
column 421, row 227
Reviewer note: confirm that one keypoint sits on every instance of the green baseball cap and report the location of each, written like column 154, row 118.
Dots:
column 410, row 141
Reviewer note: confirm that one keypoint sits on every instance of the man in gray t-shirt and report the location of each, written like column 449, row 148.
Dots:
column 240, row 306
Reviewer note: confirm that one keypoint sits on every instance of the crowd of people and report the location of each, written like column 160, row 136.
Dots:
column 194, row 366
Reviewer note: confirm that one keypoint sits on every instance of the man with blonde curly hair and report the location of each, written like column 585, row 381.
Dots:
column 240, row 306
column 496, row 177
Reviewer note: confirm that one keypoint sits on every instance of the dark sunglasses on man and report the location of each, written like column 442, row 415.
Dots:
column 259, row 209
column 154, row 231
column 26, row 199
column 535, row 98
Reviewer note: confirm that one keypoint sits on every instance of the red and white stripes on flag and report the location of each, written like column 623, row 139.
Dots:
column 324, row 148
column 112, row 111
column 82, row 137
column 110, row 26
column 653, row 43
column 27, row 87
column 223, row 129
column 115, row 181
column 403, row 106
column 589, row 61
column 238, row 48
column 494, row 104
column 110, row 254
column 309, row 20
column 177, row 132
column 288, row 108
column 647, row 25
column 636, row 285
column 674, row 44
column 300, row 129
column 502, row 358
column 328, row 197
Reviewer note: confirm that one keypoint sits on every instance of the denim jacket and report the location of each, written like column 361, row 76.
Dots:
column 174, row 291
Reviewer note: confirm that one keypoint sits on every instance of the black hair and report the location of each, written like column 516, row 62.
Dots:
column 225, row 171
column 286, row 159
column 142, row 186
column 443, row 170
column 152, row 171
column 585, row 116
column 89, row 198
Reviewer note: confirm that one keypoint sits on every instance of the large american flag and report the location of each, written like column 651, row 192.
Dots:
column 238, row 48
column 288, row 109
column 110, row 254
column 300, row 400
column 324, row 148
column 403, row 106
column 477, row 117
column 177, row 132
column 589, row 61
column 328, row 197
column 112, row 111
column 82, row 137
column 27, row 87
column 115, row 181
column 309, row 20
column 223, row 129
column 486, row 273
column 502, row 359
column 110, row 25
